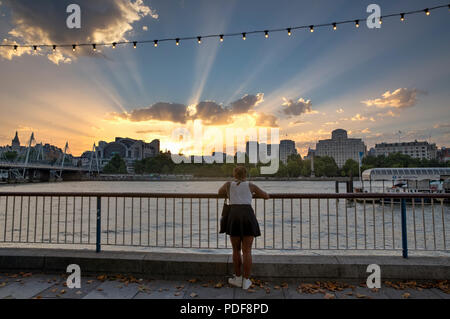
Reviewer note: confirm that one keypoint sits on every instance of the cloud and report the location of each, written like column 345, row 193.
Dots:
column 44, row 22
column 210, row 112
column 153, row 131
column 266, row 120
column 298, row 122
column 446, row 125
column 247, row 102
column 160, row 111
column 295, row 108
column 359, row 117
column 388, row 113
column 400, row 98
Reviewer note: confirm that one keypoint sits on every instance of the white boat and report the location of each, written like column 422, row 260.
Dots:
column 423, row 180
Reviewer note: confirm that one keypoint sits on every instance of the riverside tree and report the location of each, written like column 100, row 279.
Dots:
column 116, row 165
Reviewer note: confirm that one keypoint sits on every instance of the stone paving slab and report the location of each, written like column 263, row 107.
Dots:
column 60, row 290
column 362, row 293
column 440, row 293
column 199, row 292
column 25, row 288
column 411, row 294
column 165, row 289
column 113, row 290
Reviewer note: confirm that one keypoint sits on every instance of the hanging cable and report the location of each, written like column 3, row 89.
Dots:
column 221, row 37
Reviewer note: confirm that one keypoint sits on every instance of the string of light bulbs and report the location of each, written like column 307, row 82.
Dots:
column 221, row 37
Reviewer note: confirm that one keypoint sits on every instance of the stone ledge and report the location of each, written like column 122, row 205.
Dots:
column 172, row 265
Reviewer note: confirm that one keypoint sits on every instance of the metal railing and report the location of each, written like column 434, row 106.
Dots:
column 333, row 222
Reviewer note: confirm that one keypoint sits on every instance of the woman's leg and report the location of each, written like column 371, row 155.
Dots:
column 247, row 242
column 237, row 261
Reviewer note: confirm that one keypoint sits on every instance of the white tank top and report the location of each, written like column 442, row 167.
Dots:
column 240, row 194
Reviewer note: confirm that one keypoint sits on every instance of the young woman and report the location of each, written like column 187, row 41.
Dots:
column 242, row 226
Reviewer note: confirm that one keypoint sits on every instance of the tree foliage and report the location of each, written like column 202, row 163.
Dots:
column 116, row 165
column 350, row 168
column 295, row 166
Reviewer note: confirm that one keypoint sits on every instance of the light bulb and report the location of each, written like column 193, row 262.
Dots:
column 221, row 38
column 177, row 41
column 427, row 12
column 381, row 20
column 311, row 28
column 15, row 48
column 266, row 34
column 156, row 43
column 199, row 40
column 54, row 48
column 334, row 26
column 74, row 47
column 243, row 36
column 94, row 48
column 114, row 45
column 134, row 44
column 357, row 23
column 402, row 17
column 34, row 48
column 289, row 31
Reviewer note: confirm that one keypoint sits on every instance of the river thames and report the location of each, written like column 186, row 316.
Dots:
column 294, row 225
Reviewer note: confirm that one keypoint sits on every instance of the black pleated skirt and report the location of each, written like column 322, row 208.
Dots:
column 242, row 222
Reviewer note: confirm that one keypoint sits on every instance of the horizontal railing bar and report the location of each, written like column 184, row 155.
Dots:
column 215, row 195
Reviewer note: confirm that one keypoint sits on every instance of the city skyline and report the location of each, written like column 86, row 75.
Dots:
column 373, row 83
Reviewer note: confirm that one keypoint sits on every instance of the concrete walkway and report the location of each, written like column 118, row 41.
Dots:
column 41, row 273
column 51, row 286
column 171, row 266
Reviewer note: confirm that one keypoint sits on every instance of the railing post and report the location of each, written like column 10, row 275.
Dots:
column 404, row 232
column 98, row 229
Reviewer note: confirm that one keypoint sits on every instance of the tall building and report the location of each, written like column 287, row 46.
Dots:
column 287, row 148
column 340, row 147
column 15, row 143
column 443, row 155
column 129, row 149
column 253, row 146
column 421, row 150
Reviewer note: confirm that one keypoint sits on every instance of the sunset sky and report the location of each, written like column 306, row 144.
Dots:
column 372, row 82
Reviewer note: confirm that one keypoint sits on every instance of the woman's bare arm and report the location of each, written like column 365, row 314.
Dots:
column 224, row 188
column 258, row 191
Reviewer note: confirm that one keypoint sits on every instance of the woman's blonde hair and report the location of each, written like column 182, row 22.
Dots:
column 240, row 173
